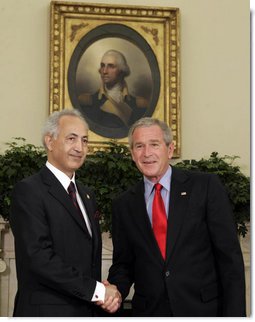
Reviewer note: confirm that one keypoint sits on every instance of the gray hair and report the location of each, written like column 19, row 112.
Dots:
column 51, row 126
column 120, row 61
column 147, row 122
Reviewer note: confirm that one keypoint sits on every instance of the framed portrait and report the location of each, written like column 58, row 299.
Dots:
column 115, row 64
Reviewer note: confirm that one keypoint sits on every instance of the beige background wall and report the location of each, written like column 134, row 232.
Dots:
column 215, row 68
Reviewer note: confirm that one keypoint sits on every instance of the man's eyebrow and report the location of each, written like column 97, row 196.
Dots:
column 108, row 64
column 150, row 141
column 76, row 135
column 154, row 140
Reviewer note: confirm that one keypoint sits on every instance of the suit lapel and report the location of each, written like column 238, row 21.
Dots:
column 59, row 193
column 90, row 211
column 179, row 198
column 141, row 219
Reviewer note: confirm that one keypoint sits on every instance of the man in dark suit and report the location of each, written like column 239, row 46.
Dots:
column 191, row 266
column 57, row 235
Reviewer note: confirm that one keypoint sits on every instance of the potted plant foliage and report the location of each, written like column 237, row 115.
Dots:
column 111, row 171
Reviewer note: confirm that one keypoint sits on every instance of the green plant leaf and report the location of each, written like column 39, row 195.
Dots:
column 112, row 171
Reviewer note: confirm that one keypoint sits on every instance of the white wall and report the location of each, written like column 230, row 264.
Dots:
column 215, row 73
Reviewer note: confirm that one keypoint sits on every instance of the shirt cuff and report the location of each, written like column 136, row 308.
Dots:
column 99, row 293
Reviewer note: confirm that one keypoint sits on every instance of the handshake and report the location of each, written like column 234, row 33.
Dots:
column 112, row 300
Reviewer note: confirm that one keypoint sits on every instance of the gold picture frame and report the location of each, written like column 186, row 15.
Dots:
column 149, row 39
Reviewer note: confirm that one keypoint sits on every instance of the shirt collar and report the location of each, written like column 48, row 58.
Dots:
column 61, row 176
column 164, row 181
column 124, row 91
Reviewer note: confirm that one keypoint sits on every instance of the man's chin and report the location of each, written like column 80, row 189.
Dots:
column 76, row 165
column 149, row 174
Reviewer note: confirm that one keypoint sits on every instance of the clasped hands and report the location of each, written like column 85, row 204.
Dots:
column 112, row 300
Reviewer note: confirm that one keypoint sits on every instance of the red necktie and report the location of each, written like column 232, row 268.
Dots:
column 159, row 219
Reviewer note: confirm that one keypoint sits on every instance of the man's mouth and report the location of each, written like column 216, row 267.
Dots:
column 149, row 162
column 76, row 156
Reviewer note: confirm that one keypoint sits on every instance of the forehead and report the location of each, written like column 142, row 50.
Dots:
column 147, row 133
column 108, row 59
column 72, row 124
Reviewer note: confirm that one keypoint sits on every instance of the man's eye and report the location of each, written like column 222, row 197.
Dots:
column 71, row 139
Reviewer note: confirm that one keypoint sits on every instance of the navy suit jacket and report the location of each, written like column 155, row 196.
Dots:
column 57, row 261
column 203, row 274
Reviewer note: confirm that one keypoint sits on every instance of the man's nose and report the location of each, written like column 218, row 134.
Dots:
column 146, row 150
column 105, row 69
column 78, row 145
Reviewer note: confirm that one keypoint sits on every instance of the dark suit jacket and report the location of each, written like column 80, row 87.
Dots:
column 57, row 261
column 203, row 274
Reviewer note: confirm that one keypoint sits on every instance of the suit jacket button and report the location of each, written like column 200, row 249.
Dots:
column 167, row 273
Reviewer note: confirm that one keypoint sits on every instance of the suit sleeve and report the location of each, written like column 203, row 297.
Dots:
column 121, row 272
column 227, row 248
column 33, row 241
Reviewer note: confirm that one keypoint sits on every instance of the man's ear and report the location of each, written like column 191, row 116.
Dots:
column 170, row 150
column 48, row 139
